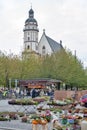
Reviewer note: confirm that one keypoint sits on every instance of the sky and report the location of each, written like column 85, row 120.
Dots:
column 64, row 20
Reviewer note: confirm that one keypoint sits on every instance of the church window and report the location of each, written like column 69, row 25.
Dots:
column 43, row 47
column 28, row 38
column 43, row 50
column 28, row 47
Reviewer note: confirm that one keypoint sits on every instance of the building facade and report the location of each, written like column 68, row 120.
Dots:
column 46, row 45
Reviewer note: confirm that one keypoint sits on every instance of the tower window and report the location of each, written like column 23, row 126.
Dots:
column 28, row 33
column 28, row 47
column 28, row 38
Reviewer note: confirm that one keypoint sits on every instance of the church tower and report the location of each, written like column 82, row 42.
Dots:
column 31, row 34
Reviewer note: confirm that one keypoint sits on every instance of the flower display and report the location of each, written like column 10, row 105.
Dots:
column 22, row 102
column 47, row 115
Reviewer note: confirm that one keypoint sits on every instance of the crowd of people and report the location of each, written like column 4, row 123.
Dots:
column 21, row 93
column 41, row 92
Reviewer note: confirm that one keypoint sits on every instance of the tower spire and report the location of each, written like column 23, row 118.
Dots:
column 31, row 13
column 31, row 5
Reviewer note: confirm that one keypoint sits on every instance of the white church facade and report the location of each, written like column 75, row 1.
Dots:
column 46, row 45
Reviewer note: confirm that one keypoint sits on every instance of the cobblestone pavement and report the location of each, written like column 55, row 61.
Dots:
column 14, row 124
column 4, row 106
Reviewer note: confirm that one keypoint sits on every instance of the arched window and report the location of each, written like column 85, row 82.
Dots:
column 28, row 47
column 43, row 47
column 43, row 50
column 28, row 38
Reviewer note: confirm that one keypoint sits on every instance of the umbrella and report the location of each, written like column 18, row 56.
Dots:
column 84, row 98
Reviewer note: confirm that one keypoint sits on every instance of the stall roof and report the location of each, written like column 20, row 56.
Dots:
column 39, row 80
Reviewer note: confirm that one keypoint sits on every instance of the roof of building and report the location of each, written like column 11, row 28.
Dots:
column 31, row 17
column 55, row 46
column 38, row 80
column 31, row 20
column 31, row 11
